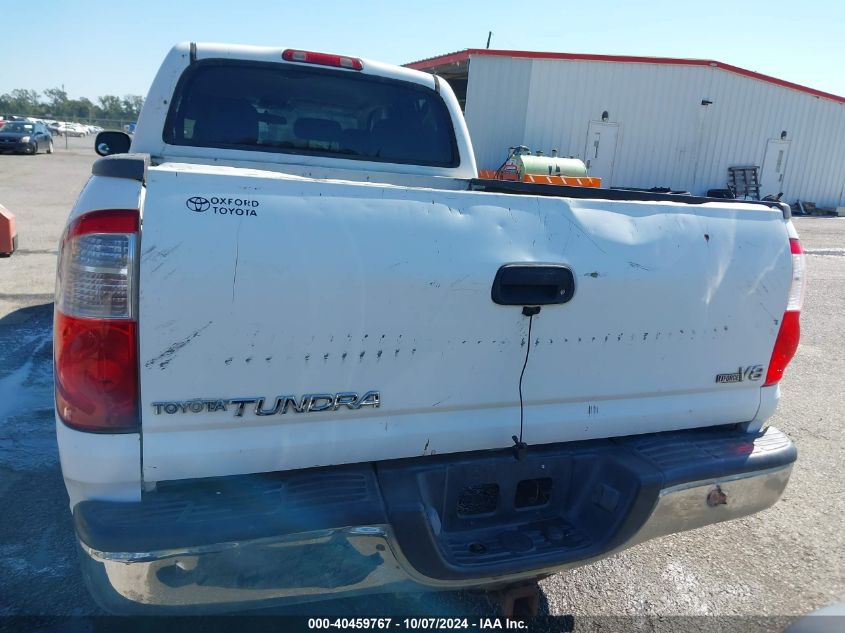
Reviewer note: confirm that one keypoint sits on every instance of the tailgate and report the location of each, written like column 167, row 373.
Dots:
column 288, row 300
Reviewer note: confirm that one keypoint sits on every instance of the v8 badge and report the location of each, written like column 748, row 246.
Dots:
column 752, row 372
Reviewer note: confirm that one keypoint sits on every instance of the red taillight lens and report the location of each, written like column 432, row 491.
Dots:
column 95, row 333
column 785, row 347
column 113, row 221
column 323, row 59
column 789, row 333
column 96, row 374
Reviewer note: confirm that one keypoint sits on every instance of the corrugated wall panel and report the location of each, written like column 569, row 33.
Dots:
column 666, row 136
column 749, row 112
column 495, row 107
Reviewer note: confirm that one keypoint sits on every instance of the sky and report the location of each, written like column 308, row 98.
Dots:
column 95, row 47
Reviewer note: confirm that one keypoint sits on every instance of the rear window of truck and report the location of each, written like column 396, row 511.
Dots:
column 286, row 108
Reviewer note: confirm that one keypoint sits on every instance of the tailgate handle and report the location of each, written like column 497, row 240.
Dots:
column 530, row 284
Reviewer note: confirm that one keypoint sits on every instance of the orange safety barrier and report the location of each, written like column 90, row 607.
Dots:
column 8, row 232
column 572, row 181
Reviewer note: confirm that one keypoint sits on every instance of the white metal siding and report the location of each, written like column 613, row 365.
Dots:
column 501, row 120
column 666, row 138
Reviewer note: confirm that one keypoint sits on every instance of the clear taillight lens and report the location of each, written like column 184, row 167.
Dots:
column 94, row 276
column 799, row 270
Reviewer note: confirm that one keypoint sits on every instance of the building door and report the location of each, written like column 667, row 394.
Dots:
column 774, row 166
column 600, row 151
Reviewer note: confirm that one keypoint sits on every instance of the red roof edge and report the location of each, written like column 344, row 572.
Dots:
column 464, row 55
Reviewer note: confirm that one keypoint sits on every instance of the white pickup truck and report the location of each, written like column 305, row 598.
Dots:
column 302, row 351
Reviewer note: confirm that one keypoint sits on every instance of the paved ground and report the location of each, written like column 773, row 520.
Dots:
column 785, row 562
column 39, row 190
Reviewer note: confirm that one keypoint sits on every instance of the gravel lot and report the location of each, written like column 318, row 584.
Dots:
column 784, row 562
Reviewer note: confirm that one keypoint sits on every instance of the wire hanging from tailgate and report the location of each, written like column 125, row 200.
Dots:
column 520, row 448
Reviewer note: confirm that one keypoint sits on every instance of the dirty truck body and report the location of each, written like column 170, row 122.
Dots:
column 290, row 332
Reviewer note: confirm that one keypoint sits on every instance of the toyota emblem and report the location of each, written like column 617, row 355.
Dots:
column 197, row 203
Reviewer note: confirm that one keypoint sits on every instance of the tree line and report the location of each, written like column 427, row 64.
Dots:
column 53, row 103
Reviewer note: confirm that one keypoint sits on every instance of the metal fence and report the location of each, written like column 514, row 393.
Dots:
column 106, row 124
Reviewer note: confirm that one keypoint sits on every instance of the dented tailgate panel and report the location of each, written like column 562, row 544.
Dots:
column 327, row 289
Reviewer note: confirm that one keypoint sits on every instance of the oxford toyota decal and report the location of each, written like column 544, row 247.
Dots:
column 223, row 205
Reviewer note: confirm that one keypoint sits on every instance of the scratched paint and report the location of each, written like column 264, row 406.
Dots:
column 167, row 356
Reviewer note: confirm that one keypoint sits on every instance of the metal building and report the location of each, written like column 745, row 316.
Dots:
column 652, row 122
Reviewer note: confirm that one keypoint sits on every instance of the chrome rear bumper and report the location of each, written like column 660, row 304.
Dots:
column 342, row 561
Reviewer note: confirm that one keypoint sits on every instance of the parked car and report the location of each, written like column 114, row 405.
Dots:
column 28, row 138
column 65, row 128
column 304, row 374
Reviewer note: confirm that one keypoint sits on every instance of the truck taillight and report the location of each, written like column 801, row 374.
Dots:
column 789, row 333
column 95, row 331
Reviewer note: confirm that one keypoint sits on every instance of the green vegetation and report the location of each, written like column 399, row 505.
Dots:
column 53, row 103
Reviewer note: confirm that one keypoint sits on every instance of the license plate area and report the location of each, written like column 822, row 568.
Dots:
column 491, row 509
